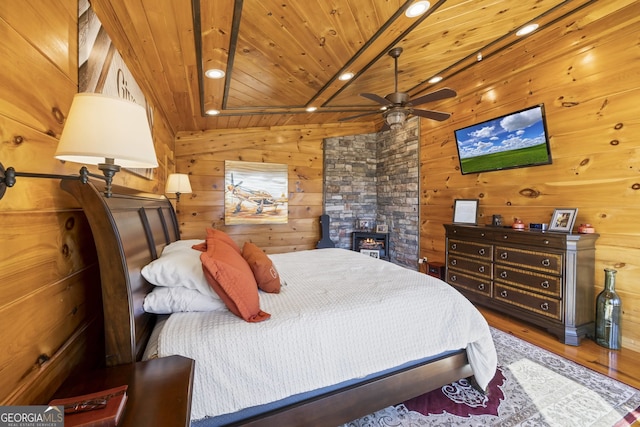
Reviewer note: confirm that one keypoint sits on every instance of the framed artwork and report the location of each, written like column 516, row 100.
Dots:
column 373, row 253
column 255, row 193
column 563, row 220
column 364, row 224
column 465, row 211
column 101, row 68
column 382, row 228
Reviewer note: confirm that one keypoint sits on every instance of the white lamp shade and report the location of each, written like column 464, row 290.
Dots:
column 178, row 183
column 100, row 127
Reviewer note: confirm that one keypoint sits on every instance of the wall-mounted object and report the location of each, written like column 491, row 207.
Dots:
column 99, row 130
column 178, row 183
column 515, row 140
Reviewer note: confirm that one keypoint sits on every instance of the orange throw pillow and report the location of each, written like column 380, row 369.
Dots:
column 263, row 269
column 219, row 235
column 231, row 278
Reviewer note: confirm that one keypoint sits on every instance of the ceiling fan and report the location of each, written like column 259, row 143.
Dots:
column 398, row 106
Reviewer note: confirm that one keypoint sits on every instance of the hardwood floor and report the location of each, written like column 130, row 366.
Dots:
column 623, row 365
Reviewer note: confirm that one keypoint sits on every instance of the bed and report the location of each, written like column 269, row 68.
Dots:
column 131, row 230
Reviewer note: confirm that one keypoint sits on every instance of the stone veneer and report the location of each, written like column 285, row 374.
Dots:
column 375, row 177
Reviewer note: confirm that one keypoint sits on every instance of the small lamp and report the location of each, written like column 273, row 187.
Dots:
column 99, row 130
column 178, row 183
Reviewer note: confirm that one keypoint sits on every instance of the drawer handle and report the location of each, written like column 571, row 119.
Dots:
column 481, row 234
column 504, row 255
column 481, row 286
column 546, row 262
column 545, row 284
column 503, row 274
column 505, row 237
column 454, row 246
column 504, row 294
column 545, row 306
column 453, row 278
column 546, row 242
column 481, row 251
column 481, row 269
column 454, row 262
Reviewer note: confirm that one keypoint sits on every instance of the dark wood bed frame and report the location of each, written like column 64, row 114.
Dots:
column 130, row 229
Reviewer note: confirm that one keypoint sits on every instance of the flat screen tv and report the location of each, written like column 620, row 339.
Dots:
column 514, row 140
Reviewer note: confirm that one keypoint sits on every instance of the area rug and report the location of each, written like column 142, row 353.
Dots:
column 532, row 387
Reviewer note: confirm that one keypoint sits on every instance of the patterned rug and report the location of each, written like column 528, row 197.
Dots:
column 532, row 387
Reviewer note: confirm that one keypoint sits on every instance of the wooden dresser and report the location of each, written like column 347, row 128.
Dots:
column 541, row 277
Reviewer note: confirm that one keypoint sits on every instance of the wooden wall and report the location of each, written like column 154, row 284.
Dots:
column 202, row 155
column 50, row 308
column 585, row 71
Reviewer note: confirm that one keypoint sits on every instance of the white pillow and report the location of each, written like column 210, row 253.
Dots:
column 178, row 265
column 174, row 300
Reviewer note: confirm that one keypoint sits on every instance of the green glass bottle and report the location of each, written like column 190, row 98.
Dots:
column 608, row 313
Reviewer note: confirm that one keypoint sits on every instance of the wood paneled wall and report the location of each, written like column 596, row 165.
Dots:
column 585, row 71
column 202, row 156
column 50, row 306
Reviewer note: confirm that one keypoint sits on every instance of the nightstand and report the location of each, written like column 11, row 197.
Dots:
column 159, row 392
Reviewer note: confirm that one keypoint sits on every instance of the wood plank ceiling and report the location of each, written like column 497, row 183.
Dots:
column 282, row 56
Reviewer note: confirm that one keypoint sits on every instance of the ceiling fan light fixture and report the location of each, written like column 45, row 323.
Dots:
column 214, row 73
column 395, row 118
column 417, row 9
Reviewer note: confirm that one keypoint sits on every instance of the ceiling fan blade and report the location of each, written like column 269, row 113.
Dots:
column 358, row 115
column 377, row 98
column 433, row 115
column 434, row 96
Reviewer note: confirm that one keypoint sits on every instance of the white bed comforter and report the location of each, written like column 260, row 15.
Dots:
column 342, row 315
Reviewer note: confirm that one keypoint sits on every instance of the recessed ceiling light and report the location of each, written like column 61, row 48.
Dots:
column 479, row 56
column 435, row 79
column 346, row 76
column 527, row 29
column 214, row 73
column 417, row 9
column 212, row 112
column 311, row 109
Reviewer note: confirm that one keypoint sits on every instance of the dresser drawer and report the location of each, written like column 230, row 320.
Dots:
column 541, row 304
column 541, row 261
column 473, row 266
column 476, row 250
column 536, row 282
column 469, row 283
column 533, row 238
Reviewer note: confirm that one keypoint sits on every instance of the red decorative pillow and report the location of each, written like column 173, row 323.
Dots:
column 219, row 235
column 263, row 269
column 231, row 278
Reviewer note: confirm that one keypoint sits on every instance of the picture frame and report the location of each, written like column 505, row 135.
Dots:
column 255, row 193
column 563, row 220
column 364, row 224
column 373, row 253
column 382, row 228
column 465, row 211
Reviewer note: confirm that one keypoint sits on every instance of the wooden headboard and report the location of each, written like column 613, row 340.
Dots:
column 130, row 229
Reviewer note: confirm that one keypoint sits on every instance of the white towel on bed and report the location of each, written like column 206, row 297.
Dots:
column 341, row 316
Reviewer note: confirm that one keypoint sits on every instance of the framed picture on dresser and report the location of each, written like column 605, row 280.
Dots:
column 465, row 211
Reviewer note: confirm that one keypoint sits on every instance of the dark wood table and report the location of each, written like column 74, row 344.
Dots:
column 159, row 392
